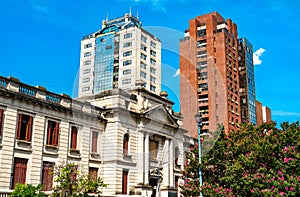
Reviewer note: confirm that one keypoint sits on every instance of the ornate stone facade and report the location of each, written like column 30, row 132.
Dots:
column 133, row 140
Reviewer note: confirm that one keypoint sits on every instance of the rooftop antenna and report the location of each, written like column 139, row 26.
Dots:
column 137, row 14
column 130, row 11
column 106, row 16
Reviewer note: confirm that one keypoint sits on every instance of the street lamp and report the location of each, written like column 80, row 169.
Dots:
column 198, row 118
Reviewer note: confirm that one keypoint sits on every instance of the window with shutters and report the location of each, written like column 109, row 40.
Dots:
column 94, row 147
column 74, row 133
column 19, row 172
column 124, row 181
column 153, row 149
column 24, row 127
column 1, row 123
column 125, row 144
column 52, row 133
column 47, row 177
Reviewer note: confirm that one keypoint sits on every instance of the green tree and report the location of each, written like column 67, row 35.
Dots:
column 70, row 182
column 28, row 190
column 252, row 161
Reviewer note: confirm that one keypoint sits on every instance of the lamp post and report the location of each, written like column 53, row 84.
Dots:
column 198, row 118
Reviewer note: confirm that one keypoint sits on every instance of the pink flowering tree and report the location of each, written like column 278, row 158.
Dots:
column 253, row 161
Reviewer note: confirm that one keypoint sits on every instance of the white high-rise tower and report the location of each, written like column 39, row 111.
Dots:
column 117, row 56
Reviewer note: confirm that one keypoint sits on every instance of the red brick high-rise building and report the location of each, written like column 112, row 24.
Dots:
column 209, row 78
column 263, row 114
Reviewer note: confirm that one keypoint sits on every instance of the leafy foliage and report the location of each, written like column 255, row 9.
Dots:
column 28, row 190
column 253, row 161
column 70, row 182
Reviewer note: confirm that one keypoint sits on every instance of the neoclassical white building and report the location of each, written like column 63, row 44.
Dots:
column 133, row 140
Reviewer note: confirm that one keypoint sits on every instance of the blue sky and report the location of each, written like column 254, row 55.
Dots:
column 40, row 41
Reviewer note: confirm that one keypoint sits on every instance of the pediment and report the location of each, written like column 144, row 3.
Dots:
column 161, row 114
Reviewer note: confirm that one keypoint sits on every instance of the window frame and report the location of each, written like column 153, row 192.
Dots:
column 127, row 35
column 127, row 62
column 144, row 38
column 127, row 72
column 73, row 138
column 153, row 53
column 153, row 88
column 126, row 144
column 143, row 48
column 19, row 171
column 87, row 54
column 153, row 61
column 52, row 137
column 153, row 154
column 152, row 79
column 127, row 53
column 47, row 177
column 153, row 44
column 85, row 88
column 127, row 44
column 143, row 65
column 88, row 45
column 86, row 80
column 126, row 81
column 87, row 62
column 94, row 141
column 86, row 71
column 143, row 56
column 143, row 74
column 153, row 70
column 20, row 124
column 125, row 174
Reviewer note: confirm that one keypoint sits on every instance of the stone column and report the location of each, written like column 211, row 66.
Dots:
column 171, row 163
column 146, row 172
column 140, row 157
column 166, row 161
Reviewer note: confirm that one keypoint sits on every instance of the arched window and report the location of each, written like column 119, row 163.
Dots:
column 125, row 144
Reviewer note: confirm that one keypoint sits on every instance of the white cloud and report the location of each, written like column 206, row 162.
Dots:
column 177, row 73
column 256, row 56
column 37, row 5
column 284, row 113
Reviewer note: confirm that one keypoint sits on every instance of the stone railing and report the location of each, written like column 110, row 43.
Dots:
column 41, row 93
column 5, row 193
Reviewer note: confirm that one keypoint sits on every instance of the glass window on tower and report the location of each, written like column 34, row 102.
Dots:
column 87, row 62
column 128, row 35
column 143, row 74
column 152, row 88
column 143, row 38
column 104, row 63
column 152, row 44
column 87, row 54
column 153, row 70
column 127, row 53
column 89, row 45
